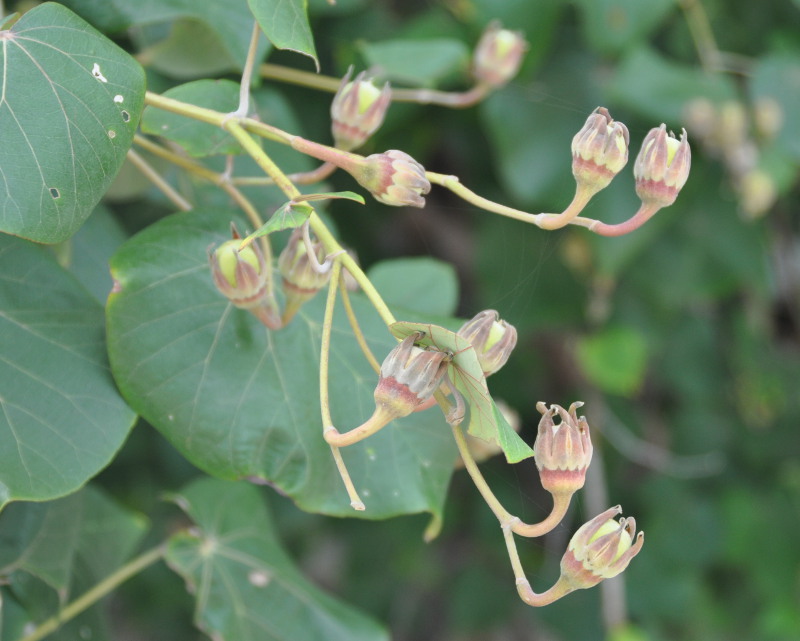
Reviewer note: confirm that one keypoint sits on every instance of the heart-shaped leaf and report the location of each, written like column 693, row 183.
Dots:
column 61, row 417
column 485, row 419
column 71, row 100
column 247, row 588
column 240, row 401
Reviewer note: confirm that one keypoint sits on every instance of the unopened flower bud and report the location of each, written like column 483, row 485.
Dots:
column 300, row 280
column 409, row 377
column 493, row 339
column 393, row 178
column 498, row 55
column 243, row 277
column 662, row 167
column 599, row 151
column 563, row 451
column 358, row 110
column 600, row 549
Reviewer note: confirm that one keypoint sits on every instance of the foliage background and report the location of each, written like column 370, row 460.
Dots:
column 683, row 339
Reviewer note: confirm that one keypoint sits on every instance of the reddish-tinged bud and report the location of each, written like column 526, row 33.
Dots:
column 358, row 110
column 600, row 549
column 662, row 167
column 243, row 277
column 393, row 178
column 498, row 55
column 563, row 451
column 599, row 150
column 300, row 280
column 492, row 338
column 409, row 376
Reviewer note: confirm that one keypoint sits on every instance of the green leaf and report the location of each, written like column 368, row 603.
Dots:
column 485, row 420
column 62, row 419
column 197, row 138
column 416, row 62
column 614, row 25
column 70, row 104
column 614, row 359
column 247, row 587
column 331, row 195
column 285, row 23
column 661, row 89
column 231, row 20
column 420, row 284
column 240, row 401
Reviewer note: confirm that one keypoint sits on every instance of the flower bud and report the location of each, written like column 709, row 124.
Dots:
column 409, row 377
column 243, row 277
column 358, row 110
column 599, row 150
column 662, row 167
column 300, row 280
column 492, row 338
column 498, row 55
column 600, row 549
column 563, row 451
column 393, row 178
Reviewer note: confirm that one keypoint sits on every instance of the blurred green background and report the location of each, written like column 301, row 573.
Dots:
column 683, row 338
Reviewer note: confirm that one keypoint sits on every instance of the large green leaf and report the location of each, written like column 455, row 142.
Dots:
column 70, row 103
column 285, row 22
column 486, row 422
column 419, row 284
column 197, row 138
column 776, row 78
column 246, row 586
column 61, row 418
column 417, row 62
column 52, row 551
column 231, row 20
column 240, row 401
column 613, row 25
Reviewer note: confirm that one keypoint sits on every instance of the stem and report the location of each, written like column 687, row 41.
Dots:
column 354, row 325
column 154, row 177
column 560, row 502
column 379, row 419
column 247, row 74
column 302, row 78
column 579, row 201
column 324, row 399
column 644, row 214
column 524, row 589
column 92, row 596
column 302, row 178
column 342, row 159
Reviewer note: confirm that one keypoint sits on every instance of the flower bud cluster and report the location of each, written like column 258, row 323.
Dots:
column 493, row 339
column 357, row 111
column 600, row 549
column 498, row 56
column 243, row 277
column 662, row 167
column 393, row 178
column 409, row 377
column 563, row 451
column 301, row 281
column 599, row 151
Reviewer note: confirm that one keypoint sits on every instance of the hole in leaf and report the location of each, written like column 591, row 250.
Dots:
column 55, row 193
column 125, row 116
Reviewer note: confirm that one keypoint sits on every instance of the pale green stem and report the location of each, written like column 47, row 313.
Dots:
column 92, row 596
column 154, row 177
column 247, row 74
column 645, row 213
column 524, row 589
column 379, row 419
column 324, row 397
column 420, row 96
column 301, row 178
column 354, row 325
column 579, row 201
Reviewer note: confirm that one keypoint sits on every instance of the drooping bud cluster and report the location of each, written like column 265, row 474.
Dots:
column 662, row 167
column 357, row 111
column 563, row 451
column 409, row 377
column 498, row 56
column 393, row 178
column 300, row 280
column 243, row 277
column 493, row 339
column 599, row 151
column 600, row 549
